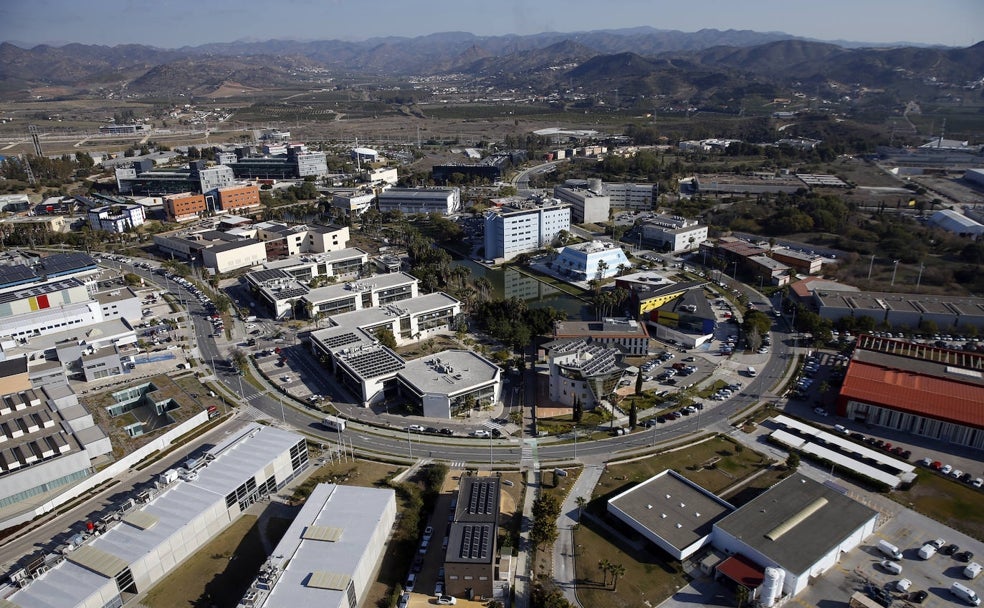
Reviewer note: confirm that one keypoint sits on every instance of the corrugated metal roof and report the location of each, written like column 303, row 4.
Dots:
column 141, row 519
column 329, row 580
column 322, row 533
column 97, row 560
column 914, row 393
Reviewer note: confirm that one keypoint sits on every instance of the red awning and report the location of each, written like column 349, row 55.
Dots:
column 743, row 571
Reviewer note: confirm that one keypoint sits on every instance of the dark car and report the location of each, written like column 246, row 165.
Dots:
column 905, row 455
column 660, row 419
column 964, row 556
column 949, row 549
column 431, row 429
column 918, row 596
column 857, row 436
column 446, row 432
column 496, row 433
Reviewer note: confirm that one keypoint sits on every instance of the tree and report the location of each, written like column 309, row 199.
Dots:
column 633, row 416
column 741, row 596
column 638, row 387
column 581, row 502
column 386, row 337
column 546, row 508
column 239, row 359
column 605, row 566
column 578, row 412
column 617, row 570
column 792, row 461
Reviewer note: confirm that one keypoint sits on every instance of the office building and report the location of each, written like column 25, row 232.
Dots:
column 295, row 164
column 592, row 260
column 140, row 178
column 116, row 218
column 235, row 199
column 634, row 197
column 587, row 206
column 184, row 207
column 627, row 334
column 583, row 371
column 470, row 559
column 444, row 201
column 524, row 226
column 673, row 234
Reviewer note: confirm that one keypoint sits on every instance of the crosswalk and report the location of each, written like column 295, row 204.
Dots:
column 528, row 457
column 457, row 464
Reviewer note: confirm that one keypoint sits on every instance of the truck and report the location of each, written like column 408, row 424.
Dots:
column 927, row 551
column 333, row 423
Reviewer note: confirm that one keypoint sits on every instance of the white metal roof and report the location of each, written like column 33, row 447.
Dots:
column 357, row 512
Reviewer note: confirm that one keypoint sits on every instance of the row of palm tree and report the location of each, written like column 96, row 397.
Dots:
column 616, row 570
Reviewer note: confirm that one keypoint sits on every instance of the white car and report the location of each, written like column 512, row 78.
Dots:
column 903, row 584
column 447, row 600
column 481, row 433
column 946, row 469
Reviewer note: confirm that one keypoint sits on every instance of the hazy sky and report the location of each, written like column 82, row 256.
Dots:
column 175, row 23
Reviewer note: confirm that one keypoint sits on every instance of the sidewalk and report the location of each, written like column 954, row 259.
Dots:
column 564, row 571
column 523, row 580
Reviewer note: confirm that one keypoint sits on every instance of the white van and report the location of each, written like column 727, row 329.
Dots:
column 965, row 593
column 927, row 551
column 889, row 550
column 972, row 570
column 750, row 372
column 890, row 566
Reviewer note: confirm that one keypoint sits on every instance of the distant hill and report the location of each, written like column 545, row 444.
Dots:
column 637, row 61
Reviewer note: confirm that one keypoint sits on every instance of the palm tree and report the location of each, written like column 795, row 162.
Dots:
column 605, row 566
column 617, row 570
column 581, row 502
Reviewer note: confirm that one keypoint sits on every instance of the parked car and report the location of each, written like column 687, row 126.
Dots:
column 481, row 433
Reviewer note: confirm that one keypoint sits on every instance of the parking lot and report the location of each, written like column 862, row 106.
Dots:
column 908, row 531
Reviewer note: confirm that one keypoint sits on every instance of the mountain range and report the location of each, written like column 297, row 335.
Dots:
column 642, row 61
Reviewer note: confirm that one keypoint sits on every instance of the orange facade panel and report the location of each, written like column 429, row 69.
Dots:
column 177, row 208
column 239, row 197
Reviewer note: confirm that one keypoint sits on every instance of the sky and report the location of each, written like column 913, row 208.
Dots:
column 176, row 23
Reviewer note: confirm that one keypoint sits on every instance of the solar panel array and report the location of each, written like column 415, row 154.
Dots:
column 341, row 339
column 62, row 263
column 291, row 292
column 15, row 274
column 371, row 363
column 484, row 498
column 476, row 540
column 602, row 360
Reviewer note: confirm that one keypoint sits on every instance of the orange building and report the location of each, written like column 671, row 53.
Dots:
column 183, row 207
column 239, row 197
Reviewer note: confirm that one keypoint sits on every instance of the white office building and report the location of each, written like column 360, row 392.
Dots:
column 673, row 233
column 637, row 197
column 591, row 260
column 523, row 227
column 445, row 201
column 587, row 206
column 116, row 218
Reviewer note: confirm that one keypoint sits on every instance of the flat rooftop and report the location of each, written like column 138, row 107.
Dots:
column 330, row 537
column 908, row 302
column 796, row 522
column 606, row 327
column 449, row 371
column 368, row 317
column 672, row 508
column 373, row 283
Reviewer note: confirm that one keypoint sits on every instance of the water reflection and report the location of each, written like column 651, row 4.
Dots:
column 510, row 283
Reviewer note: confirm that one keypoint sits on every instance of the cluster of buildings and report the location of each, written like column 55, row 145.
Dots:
column 771, row 265
column 238, row 242
column 774, row 545
column 296, row 162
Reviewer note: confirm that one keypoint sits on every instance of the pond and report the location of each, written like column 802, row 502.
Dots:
column 510, row 283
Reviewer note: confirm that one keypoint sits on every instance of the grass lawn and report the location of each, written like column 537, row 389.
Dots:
column 648, row 579
column 946, row 501
column 729, row 466
column 222, row 570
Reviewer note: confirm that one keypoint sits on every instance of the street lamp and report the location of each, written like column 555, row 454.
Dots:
column 894, row 270
column 409, row 444
column 575, row 442
column 490, row 451
column 283, row 413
